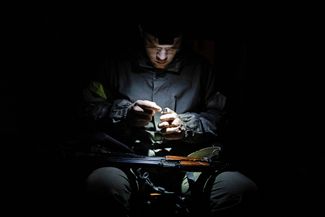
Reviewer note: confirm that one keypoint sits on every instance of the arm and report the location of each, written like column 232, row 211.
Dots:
column 202, row 124
column 101, row 107
column 106, row 106
column 105, row 111
column 205, row 126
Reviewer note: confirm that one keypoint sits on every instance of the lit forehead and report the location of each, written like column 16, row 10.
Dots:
column 154, row 41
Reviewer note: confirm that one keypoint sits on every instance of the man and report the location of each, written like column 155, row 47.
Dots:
column 163, row 100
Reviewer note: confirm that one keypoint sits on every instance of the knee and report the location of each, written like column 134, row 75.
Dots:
column 231, row 189
column 234, row 183
column 233, row 192
column 107, row 181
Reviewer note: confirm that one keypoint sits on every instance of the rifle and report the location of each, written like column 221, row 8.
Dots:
column 122, row 155
column 193, row 162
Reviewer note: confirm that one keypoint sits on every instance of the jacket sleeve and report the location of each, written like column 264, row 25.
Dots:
column 206, row 125
column 101, row 107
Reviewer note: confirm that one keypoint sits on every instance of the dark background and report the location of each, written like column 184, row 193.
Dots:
column 265, row 64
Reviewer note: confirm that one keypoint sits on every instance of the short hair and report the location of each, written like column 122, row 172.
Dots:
column 165, row 33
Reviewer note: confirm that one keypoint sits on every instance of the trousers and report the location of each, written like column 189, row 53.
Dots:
column 111, row 192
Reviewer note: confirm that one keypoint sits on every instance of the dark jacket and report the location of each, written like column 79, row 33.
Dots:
column 189, row 86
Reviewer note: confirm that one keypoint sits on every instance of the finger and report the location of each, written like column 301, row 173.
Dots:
column 177, row 122
column 138, row 110
column 167, row 111
column 146, row 104
column 168, row 117
column 163, row 124
column 171, row 130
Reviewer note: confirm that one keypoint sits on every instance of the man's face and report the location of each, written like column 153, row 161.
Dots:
column 160, row 55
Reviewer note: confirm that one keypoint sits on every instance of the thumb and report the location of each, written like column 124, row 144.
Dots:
column 167, row 110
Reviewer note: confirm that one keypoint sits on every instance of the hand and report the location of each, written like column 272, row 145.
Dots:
column 141, row 112
column 171, row 125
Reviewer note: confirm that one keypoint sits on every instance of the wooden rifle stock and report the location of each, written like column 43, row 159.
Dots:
column 184, row 158
column 194, row 163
